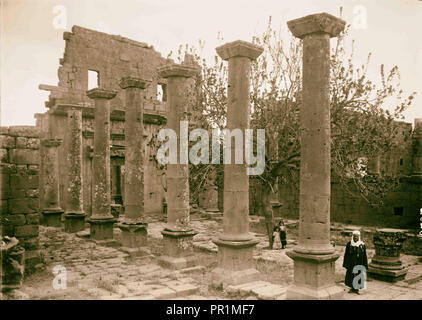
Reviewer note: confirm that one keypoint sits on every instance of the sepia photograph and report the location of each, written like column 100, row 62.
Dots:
column 215, row 157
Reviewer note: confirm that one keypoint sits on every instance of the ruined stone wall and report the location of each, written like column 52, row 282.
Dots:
column 20, row 207
column 113, row 57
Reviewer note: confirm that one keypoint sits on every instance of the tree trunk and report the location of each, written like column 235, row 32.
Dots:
column 267, row 211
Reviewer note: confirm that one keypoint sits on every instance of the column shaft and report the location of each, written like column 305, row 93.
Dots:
column 101, row 161
column 75, row 216
column 50, row 178
column 314, row 227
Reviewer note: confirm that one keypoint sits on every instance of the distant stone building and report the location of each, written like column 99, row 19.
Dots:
column 401, row 207
column 95, row 59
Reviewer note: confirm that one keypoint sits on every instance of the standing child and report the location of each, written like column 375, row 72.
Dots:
column 276, row 238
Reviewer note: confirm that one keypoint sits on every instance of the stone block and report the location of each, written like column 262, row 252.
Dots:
column 7, row 142
column 4, row 186
column 24, row 182
column 164, row 293
column 24, row 205
column 24, row 131
column 177, row 263
column 17, row 193
column 184, row 289
column 32, row 193
column 33, row 218
column 14, row 219
column 4, row 156
column 7, row 168
column 33, row 143
column 270, row 292
column 3, row 207
column 21, row 142
column 33, row 169
column 26, row 231
column 24, row 156
column 31, row 244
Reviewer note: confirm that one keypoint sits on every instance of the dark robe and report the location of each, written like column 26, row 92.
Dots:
column 283, row 236
column 354, row 256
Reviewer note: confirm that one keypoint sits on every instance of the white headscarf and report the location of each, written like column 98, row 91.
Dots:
column 356, row 243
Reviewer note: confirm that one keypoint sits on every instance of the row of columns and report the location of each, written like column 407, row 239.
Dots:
column 314, row 256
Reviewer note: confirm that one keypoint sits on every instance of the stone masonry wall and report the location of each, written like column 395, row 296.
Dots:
column 20, row 160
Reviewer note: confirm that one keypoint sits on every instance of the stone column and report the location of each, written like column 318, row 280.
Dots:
column 386, row 264
column 235, row 244
column 101, row 220
column 74, row 214
column 52, row 212
column 133, row 226
column 178, row 234
column 314, row 256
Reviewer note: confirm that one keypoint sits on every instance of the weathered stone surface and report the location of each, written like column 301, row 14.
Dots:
column 23, row 181
column 24, row 131
column 7, row 142
column 24, row 156
column 23, row 205
column 386, row 264
column 239, row 48
column 316, row 23
column 235, row 244
column 33, row 218
column 26, row 231
column 4, row 155
column 14, row 219
column 314, row 257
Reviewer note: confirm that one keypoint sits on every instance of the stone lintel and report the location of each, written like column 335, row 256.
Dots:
column 131, row 82
column 316, row 23
column 98, row 93
column 177, row 70
column 239, row 48
column 51, row 142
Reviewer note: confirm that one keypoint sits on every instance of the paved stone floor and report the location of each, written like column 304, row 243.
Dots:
column 101, row 272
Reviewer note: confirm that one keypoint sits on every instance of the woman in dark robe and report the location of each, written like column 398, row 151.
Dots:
column 282, row 229
column 355, row 255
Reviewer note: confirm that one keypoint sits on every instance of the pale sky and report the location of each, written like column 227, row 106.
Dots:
column 32, row 44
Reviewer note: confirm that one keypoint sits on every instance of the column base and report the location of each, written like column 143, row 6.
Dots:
column 235, row 263
column 314, row 277
column 52, row 217
column 178, row 249
column 383, row 274
column 101, row 228
column 74, row 222
column 133, row 235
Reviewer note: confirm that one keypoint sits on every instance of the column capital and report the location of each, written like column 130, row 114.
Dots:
column 51, row 142
column 177, row 70
column 239, row 48
column 131, row 82
column 316, row 23
column 98, row 93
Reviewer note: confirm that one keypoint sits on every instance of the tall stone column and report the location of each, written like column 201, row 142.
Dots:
column 235, row 244
column 52, row 212
column 101, row 220
column 314, row 256
column 133, row 226
column 74, row 215
column 177, row 235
